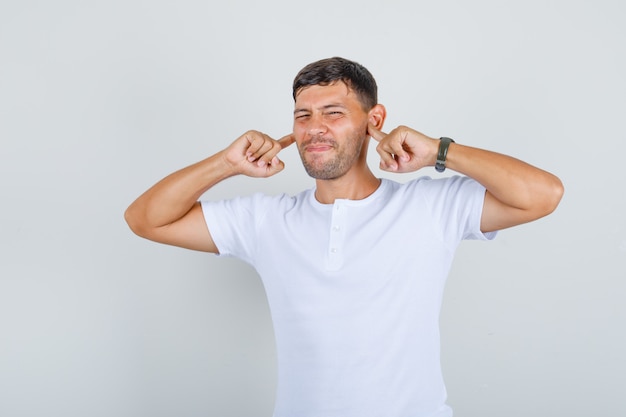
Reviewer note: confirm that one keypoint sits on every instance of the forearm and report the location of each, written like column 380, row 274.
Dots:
column 517, row 192
column 511, row 181
column 172, row 197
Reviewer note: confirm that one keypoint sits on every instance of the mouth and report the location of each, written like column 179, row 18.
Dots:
column 319, row 146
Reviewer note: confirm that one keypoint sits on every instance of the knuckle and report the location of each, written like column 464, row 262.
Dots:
column 252, row 134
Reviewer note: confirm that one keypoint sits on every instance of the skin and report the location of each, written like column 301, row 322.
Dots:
column 332, row 130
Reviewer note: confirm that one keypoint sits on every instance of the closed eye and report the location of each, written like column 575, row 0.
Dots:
column 334, row 114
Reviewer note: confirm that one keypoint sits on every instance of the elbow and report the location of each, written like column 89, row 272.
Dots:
column 133, row 220
column 554, row 194
column 558, row 189
column 138, row 221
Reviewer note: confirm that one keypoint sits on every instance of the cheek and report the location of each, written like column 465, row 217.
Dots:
column 299, row 129
column 299, row 134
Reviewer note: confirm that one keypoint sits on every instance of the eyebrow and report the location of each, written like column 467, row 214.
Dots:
column 326, row 107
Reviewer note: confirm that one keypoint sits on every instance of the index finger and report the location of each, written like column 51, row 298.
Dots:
column 286, row 140
column 375, row 133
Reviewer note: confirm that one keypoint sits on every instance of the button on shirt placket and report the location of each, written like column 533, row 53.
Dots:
column 337, row 236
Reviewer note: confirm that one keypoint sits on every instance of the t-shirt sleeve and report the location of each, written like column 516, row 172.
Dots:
column 458, row 203
column 233, row 225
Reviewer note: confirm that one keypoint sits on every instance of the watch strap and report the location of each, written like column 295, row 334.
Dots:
column 444, row 144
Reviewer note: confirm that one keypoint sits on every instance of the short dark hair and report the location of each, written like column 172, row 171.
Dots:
column 330, row 70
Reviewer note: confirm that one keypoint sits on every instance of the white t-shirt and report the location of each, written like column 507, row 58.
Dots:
column 355, row 291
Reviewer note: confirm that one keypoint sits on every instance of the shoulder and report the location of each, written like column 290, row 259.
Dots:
column 256, row 203
column 445, row 185
column 456, row 190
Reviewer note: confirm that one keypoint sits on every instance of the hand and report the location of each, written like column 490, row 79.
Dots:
column 255, row 154
column 404, row 149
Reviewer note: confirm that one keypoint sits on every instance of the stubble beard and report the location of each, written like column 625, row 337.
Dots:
column 340, row 164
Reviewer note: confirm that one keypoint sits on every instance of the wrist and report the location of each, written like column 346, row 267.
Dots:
column 442, row 153
column 218, row 167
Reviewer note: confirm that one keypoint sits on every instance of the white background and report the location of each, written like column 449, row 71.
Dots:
column 100, row 99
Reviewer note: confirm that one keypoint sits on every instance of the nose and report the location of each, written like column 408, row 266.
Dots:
column 316, row 126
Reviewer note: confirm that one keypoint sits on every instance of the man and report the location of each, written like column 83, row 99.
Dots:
column 353, row 269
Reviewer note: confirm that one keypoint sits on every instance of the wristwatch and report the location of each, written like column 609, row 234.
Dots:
column 444, row 143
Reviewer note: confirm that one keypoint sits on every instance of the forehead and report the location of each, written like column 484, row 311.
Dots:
column 315, row 95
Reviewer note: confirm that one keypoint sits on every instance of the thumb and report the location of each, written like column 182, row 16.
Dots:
column 275, row 166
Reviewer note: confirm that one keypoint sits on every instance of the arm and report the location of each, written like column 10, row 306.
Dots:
column 169, row 212
column 516, row 191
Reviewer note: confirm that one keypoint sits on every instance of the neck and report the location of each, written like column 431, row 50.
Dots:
column 354, row 185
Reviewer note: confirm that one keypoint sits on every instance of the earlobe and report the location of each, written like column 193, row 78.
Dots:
column 377, row 116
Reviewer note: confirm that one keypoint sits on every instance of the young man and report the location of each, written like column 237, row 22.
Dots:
column 354, row 269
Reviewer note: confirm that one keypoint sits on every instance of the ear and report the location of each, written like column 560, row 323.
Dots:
column 377, row 115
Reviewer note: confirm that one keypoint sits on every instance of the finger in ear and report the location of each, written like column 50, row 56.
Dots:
column 377, row 116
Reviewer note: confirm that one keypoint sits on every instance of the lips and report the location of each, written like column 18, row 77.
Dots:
column 318, row 146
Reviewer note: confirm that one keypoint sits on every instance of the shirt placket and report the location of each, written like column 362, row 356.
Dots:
column 336, row 242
